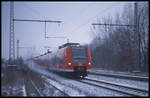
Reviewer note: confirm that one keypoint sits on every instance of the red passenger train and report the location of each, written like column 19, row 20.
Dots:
column 70, row 57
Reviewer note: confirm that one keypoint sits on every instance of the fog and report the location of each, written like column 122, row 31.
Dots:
column 76, row 18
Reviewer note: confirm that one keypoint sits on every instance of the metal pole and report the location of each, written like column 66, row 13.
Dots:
column 17, row 49
column 138, row 35
column 45, row 29
column 11, row 38
column 139, row 38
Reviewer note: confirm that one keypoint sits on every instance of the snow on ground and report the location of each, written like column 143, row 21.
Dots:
column 24, row 91
column 66, row 89
column 131, row 83
column 50, row 91
column 36, row 88
column 99, row 70
column 12, row 90
column 72, row 85
column 6, row 90
column 12, row 82
column 117, row 87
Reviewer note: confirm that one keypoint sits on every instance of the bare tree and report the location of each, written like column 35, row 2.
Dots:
column 117, row 47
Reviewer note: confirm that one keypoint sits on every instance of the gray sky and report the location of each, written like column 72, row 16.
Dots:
column 77, row 18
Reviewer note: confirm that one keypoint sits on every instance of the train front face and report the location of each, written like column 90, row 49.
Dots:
column 80, row 60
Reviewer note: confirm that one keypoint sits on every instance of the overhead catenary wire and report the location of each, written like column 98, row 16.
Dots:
column 39, row 14
column 35, row 20
column 112, row 24
column 85, row 23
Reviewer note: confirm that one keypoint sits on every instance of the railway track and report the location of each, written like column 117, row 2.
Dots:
column 123, row 89
column 23, row 90
column 138, row 78
column 36, row 90
column 129, row 91
column 56, row 87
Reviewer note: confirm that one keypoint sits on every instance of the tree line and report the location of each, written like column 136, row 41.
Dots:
column 117, row 47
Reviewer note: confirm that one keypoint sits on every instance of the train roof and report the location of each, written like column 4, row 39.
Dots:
column 68, row 44
column 43, row 54
column 62, row 46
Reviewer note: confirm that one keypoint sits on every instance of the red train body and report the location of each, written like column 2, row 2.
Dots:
column 70, row 57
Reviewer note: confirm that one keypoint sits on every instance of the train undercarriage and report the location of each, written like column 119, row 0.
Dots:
column 80, row 71
column 77, row 72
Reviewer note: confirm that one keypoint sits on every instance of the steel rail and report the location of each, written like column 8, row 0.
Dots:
column 128, row 87
column 56, row 87
column 107, row 88
column 37, row 90
column 139, row 78
column 114, row 89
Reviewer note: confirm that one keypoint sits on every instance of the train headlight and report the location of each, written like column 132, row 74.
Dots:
column 69, row 63
column 89, row 63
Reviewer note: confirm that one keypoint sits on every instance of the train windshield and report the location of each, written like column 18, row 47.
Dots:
column 79, row 54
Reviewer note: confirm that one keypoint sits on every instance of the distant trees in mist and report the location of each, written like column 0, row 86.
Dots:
column 117, row 47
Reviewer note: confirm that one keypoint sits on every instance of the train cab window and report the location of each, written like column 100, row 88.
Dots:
column 79, row 54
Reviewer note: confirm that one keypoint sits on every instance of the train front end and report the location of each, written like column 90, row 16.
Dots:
column 79, row 60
